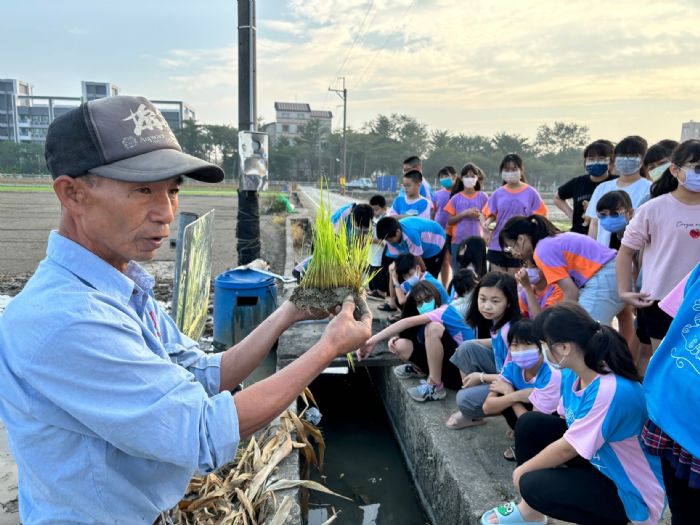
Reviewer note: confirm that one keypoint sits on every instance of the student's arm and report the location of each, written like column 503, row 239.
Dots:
column 496, row 403
column 553, row 455
column 391, row 330
column 568, row 286
column 563, row 206
column 593, row 228
column 624, row 269
column 420, row 262
column 533, row 305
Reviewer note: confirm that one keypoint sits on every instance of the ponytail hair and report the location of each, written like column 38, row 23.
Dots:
column 534, row 226
column 604, row 350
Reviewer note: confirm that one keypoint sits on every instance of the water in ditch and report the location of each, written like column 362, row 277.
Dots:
column 363, row 460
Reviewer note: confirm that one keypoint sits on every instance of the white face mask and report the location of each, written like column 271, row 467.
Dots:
column 511, row 176
column 656, row 173
column 469, row 182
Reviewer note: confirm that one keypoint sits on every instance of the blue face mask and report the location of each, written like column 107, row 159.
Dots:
column 627, row 165
column 613, row 224
column 692, row 180
column 597, row 169
column 427, row 307
column 446, row 183
column 413, row 279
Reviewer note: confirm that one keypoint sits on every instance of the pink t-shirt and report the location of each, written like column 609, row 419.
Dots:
column 669, row 233
column 467, row 226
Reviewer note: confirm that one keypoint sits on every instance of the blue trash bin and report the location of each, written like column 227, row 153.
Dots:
column 242, row 299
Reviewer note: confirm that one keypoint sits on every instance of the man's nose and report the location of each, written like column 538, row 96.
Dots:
column 164, row 208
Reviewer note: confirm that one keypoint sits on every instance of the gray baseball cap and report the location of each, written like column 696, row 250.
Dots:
column 121, row 138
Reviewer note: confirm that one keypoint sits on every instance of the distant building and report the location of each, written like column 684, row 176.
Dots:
column 25, row 117
column 690, row 130
column 291, row 118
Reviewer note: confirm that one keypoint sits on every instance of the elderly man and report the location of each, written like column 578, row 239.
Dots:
column 110, row 409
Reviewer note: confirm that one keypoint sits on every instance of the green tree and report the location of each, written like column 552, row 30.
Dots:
column 561, row 137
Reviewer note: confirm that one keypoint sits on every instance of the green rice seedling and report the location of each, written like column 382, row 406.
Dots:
column 339, row 264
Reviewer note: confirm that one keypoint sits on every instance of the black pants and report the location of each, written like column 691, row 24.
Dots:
column 682, row 500
column 577, row 493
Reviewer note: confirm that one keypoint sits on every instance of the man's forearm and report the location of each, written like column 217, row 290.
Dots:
column 241, row 359
column 260, row 403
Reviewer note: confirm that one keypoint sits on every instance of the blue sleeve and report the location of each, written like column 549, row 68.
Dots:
column 508, row 373
column 185, row 352
column 142, row 404
column 627, row 413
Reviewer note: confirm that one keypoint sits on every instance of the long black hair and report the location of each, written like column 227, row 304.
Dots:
column 534, row 226
column 604, row 350
column 421, row 288
column 470, row 167
column 474, row 253
column 504, row 282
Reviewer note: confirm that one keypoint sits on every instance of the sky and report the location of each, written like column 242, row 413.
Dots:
column 476, row 67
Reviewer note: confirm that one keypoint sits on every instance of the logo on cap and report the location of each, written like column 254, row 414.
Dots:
column 145, row 119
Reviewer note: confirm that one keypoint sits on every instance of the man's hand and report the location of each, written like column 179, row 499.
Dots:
column 344, row 333
column 501, row 387
column 294, row 314
column 636, row 299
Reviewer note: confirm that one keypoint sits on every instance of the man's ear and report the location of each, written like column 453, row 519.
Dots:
column 70, row 191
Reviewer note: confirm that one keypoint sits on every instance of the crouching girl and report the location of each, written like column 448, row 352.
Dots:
column 425, row 338
column 526, row 382
column 610, row 479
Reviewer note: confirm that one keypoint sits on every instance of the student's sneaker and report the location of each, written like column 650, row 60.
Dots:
column 408, row 371
column 427, row 392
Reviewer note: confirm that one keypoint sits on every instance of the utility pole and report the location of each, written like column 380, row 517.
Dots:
column 248, row 221
column 343, row 94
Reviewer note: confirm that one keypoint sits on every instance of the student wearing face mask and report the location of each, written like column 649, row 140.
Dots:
column 597, row 160
column 534, row 293
column 583, row 269
column 410, row 273
column 658, row 161
column 425, row 338
column 464, row 208
column 627, row 160
column 609, row 478
column 526, row 383
column 515, row 197
column 614, row 211
column 667, row 230
column 447, row 177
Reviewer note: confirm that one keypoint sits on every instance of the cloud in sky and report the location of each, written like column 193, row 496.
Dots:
column 464, row 65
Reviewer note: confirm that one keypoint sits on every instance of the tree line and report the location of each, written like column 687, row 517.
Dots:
column 378, row 147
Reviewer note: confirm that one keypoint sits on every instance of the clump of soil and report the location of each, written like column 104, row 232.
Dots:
column 324, row 301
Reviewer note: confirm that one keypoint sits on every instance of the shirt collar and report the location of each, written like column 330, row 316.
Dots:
column 95, row 271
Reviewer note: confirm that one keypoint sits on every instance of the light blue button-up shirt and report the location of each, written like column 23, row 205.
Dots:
column 110, row 410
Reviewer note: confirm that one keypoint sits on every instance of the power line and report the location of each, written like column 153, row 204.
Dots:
column 386, row 41
column 370, row 4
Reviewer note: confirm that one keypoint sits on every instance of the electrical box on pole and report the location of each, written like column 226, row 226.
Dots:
column 248, row 220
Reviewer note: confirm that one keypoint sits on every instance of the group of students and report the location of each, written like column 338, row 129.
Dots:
column 600, row 434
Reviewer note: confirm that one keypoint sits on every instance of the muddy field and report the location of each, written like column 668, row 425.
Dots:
column 27, row 218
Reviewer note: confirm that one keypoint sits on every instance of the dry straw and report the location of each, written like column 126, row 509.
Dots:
column 244, row 492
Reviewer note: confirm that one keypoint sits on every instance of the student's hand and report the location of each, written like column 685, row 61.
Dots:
column 472, row 212
column 366, row 349
column 501, row 387
column 471, row 380
column 636, row 299
column 522, row 277
column 344, row 333
column 391, row 344
column 585, row 205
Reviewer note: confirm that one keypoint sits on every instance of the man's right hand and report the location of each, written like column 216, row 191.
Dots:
column 344, row 333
